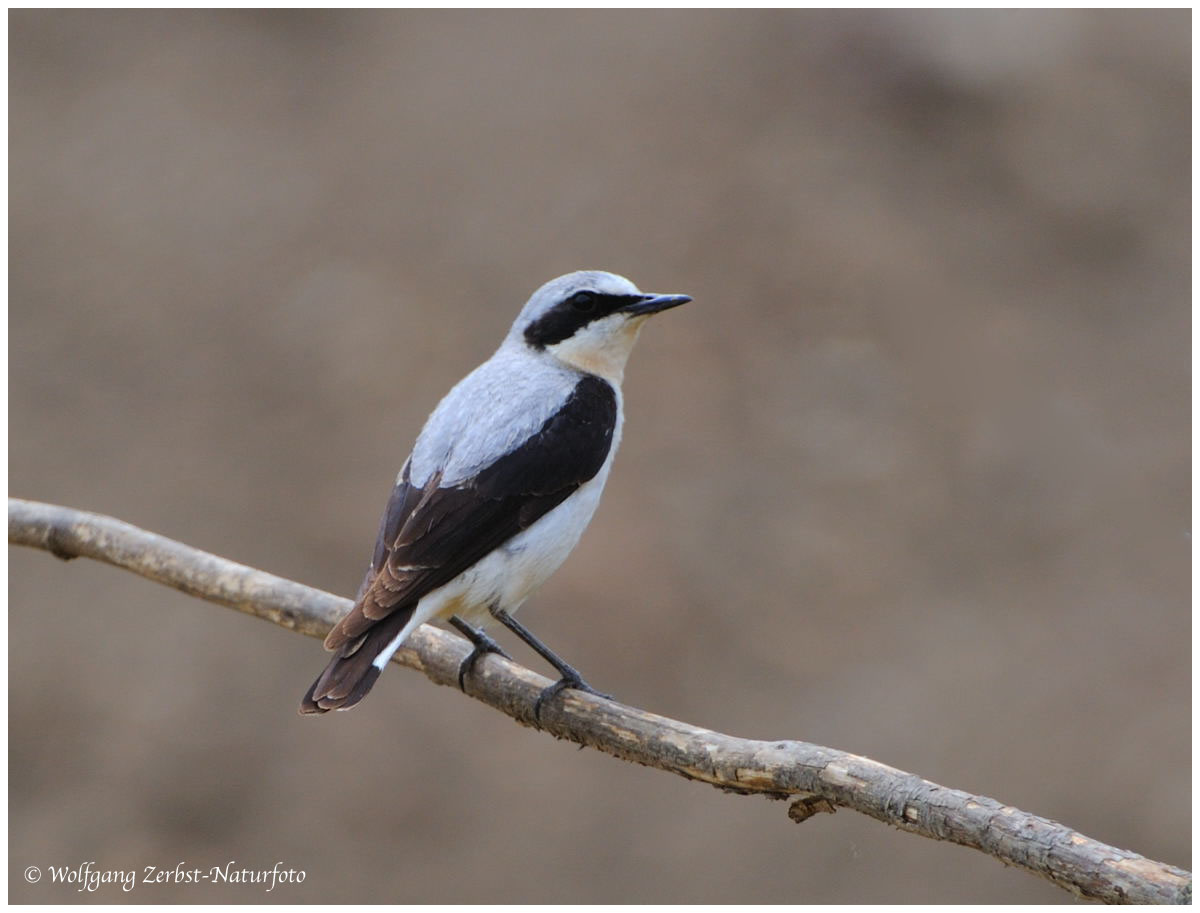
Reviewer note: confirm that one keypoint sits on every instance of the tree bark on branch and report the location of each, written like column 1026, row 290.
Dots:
column 814, row 778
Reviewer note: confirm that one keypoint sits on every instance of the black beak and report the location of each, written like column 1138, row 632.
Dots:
column 652, row 304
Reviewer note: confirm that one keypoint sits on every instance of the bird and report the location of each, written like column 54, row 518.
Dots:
column 500, row 485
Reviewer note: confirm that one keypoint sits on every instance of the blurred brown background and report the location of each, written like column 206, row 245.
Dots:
column 909, row 478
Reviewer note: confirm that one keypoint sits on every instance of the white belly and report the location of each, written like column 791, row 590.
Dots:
column 506, row 577
column 510, row 574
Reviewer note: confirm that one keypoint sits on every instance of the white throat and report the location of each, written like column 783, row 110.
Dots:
column 601, row 348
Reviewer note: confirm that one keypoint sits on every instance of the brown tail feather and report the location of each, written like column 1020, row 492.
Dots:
column 351, row 673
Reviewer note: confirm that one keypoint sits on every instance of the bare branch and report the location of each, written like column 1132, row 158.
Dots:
column 816, row 779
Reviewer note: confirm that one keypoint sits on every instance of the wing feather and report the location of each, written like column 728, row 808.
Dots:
column 430, row 535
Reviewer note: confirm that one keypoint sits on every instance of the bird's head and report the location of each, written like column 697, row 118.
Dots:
column 588, row 320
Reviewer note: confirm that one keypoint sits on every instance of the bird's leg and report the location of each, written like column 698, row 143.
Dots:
column 570, row 677
column 483, row 645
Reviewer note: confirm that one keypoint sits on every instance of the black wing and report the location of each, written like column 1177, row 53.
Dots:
column 429, row 536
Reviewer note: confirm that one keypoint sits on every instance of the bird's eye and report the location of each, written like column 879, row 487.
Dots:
column 584, row 302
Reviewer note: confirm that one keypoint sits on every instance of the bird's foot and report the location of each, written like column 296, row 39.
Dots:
column 571, row 682
column 483, row 645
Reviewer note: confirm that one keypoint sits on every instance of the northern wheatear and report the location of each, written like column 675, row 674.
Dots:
column 502, row 482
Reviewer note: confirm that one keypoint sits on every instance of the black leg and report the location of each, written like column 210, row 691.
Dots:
column 483, row 645
column 570, row 678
